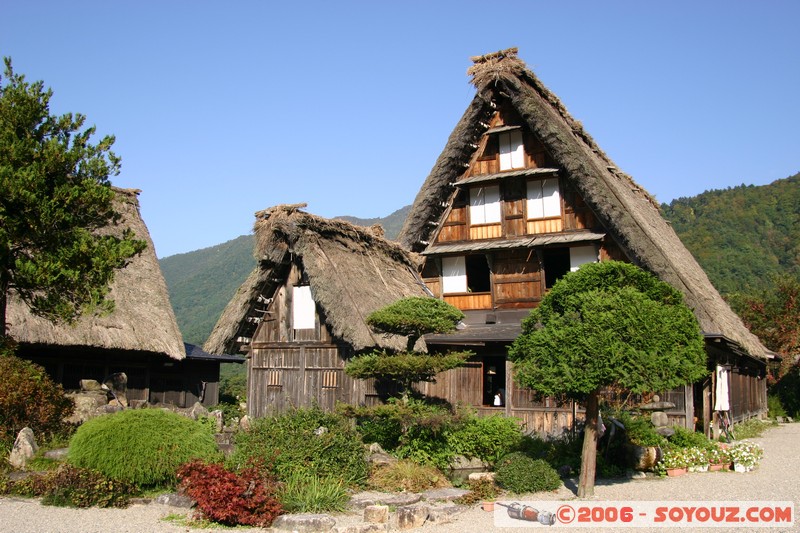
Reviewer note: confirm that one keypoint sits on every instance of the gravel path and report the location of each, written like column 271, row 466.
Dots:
column 776, row 479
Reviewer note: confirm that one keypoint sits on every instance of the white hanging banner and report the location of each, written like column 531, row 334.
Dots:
column 722, row 398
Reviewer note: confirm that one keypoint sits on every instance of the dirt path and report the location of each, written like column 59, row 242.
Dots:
column 776, row 479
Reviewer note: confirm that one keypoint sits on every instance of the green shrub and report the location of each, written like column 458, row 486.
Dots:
column 639, row 430
column 68, row 486
column 28, row 397
column 303, row 492
column 775, row 406
column 519, row 474
column 751, row 428
column 407, row 476
column 144, row 447
column 684, row 438
column 322, row 444
column 488, row 438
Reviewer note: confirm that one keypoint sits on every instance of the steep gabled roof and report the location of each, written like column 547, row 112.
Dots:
column 142, row 320
column 625, row 209
column 352, row 271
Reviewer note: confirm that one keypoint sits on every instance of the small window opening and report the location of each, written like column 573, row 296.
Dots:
column 478, row 275
column 556, row 264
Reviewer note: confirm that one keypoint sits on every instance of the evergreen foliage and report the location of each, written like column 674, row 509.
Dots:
column 144, row 447
column 412, row 317
column 56, row 194
column 608, row 324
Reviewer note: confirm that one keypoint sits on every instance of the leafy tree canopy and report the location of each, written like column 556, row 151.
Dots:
column 415, row 317
column 609, row 323
column 55, row 196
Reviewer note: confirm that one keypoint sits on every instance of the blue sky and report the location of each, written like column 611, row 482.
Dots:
column 221, row 109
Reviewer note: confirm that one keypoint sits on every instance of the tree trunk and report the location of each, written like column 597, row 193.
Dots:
column 4, row 284
column 589, row 452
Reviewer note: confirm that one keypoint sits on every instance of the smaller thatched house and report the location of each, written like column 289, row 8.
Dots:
column 140, row 337
column 301, row 313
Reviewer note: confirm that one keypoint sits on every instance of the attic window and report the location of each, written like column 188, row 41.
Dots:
column 303, row 308
column 512, row 153
column 484, row 205
column 544, row 198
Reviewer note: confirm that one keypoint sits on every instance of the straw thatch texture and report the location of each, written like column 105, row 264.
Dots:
column 142, row 320
column 352, row 272
column 627, row 212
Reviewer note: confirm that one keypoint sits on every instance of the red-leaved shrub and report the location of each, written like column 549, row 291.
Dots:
column 247, row 498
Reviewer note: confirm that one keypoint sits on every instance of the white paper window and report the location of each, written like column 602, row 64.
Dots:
column 580, row 255
column 302, row 308
column 454, row 275
column 544, row 199
column 484, row 205
column 512, row 153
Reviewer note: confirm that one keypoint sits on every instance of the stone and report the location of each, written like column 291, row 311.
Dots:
column 320, row 431
column 635, row 474
column 24, row 449
column 445, row 494
column 175, row 499
column 87, row 405
column 219, row 420
column 244, row 423
column 361, row 528
column 443, row 514
column 117, row 382
column 304, row 523
column 89, row 385
column 381, row 459
column 411, row 516
column 58, row 454
column 197, row 411
column 375, row 448
column 362, row 499
column 665, row 431
column 659, row 419
column 644, row 457
column 376, row 514
column 460, row 462
column 482, row 476
column 779, row 419
column 118, row 399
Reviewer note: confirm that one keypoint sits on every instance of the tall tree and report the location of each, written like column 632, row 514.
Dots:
column 607, row 324
column 411, row 317
column 54, row 196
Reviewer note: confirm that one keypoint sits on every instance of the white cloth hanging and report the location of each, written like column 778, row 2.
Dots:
column 722, row 396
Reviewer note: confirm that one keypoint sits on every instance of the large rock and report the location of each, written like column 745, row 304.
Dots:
column 411, row 516
column 461, row 462
column 24, row 449
column 304, row 523
column 361, row 500
column 444, row 514
column 175, row 499
column 89, row 385
column 376, row 514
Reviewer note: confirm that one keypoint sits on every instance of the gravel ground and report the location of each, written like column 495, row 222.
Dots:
column 776, row 479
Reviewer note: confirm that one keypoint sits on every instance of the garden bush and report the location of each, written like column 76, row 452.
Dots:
column 144, row 447
column 247, row 498
column 488, row 438
column 28, row 397
column 479, row 490
column 320, row 443
column 519, row 474
column 407, row 476
column 69, row 486
column 684, row 438
column 303, row 492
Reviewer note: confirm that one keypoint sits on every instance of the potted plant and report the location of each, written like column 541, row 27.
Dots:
column 718, row 458
column 697, row 458
column 674, row 461
column 745, row 456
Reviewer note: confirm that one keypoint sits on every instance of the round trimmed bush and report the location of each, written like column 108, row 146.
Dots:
column 519, row 474
column 141, row 446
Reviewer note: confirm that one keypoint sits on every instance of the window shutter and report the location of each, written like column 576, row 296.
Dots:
column 454, row 275
column 303, row 308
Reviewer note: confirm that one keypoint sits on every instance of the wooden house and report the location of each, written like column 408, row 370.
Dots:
column 301, row 313
column 140, row 337
column 522, row 195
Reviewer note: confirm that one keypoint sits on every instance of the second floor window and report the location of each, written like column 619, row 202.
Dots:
column 512, row 153
column 544, row 199
column 484, row 205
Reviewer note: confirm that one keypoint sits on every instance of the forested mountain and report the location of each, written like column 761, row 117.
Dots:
column 741, row 236
column 202, row 282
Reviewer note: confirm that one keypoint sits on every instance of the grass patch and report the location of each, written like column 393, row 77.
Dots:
column 752, row 428
column 408, row 476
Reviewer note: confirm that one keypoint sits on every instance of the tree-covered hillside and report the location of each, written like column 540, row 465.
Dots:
column 201, row 283
column 742, row 236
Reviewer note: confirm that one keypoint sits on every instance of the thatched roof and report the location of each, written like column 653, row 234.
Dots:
column 628, row 213
column 352, row 271
column 142, row 320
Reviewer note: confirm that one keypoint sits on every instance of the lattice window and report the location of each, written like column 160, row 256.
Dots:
column 274, row 378
column 330, row 379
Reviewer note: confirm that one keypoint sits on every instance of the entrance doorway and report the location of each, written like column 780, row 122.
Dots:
column 494, row 379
